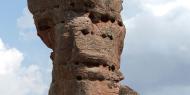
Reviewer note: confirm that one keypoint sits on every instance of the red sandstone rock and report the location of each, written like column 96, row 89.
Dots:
column 86, row 37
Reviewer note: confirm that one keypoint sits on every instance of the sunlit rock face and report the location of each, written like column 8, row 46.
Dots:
column 86, row 37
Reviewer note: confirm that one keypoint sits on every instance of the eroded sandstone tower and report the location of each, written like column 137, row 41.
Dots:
column 86, row 37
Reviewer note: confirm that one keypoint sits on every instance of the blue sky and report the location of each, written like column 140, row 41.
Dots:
column 155, row 60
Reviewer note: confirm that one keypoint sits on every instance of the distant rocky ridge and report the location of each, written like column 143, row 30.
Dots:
column 86, row 37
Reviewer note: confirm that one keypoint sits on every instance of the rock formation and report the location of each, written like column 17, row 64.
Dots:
column 86, row 37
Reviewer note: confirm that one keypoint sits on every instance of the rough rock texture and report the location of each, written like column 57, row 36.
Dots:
column 124, row 90
column 86, row 37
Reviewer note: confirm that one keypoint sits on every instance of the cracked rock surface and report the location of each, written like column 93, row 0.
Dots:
column 86, row 37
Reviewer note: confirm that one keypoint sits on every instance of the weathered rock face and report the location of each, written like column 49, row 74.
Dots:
column 86, row 37
column 124, row 90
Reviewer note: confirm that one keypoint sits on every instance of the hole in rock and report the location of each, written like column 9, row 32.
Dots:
column 84, row 31
column 91, row 64
column 111, row 37
column 79, row 77
column 93, row 18
column 120, row 23
column 112, row 19
column 76, row 63
column 112, row 68
column 72, row 4
column 52, row 56
column 104, row 35
column 104, row 65
column 62, row 21
column 92, row 33
column 105, row 18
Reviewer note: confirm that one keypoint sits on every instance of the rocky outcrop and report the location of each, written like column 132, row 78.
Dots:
column 86, row 37
column 125, row 90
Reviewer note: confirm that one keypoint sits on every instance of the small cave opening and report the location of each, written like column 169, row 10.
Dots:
column 91, row 64
column 79, row 78
column 85, row 31
column 104, row 65
column 92, row 32
column 62, row 21
column 112, row 68
column 76, row 63
column 72, row 4
column 105, row 18
column 112, row 19
column 93, row 18
column 111, row 37
column 120, row 23
column 104, row 35
column 52, row 56
column 107, row 35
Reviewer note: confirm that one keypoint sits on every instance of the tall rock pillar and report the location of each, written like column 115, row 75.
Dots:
column 86, row 37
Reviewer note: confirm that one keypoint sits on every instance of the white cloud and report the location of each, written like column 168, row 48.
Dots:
column 161, row 9
column 184, row 3
column 158, row 7
column 10, row 59
column 17, row 79
column 26, row 25
column 157, row 50
column 25, row 21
